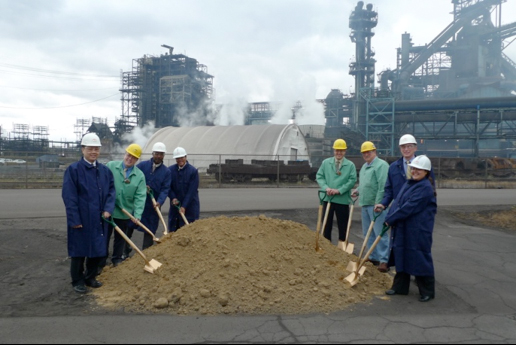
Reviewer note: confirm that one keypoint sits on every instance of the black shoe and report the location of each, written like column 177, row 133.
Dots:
column 80, row 289
column 392, row 292
column 425, row 298
column 93, row 283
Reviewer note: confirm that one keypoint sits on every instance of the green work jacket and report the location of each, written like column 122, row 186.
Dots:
column 329, row 177
column 372, row 182
column 129, row 196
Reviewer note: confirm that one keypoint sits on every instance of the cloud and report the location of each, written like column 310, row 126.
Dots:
column 265, row 50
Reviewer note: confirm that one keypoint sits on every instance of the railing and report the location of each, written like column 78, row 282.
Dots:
column 227, row 170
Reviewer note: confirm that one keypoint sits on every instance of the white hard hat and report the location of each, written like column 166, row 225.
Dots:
column 408, row 139
column 421, row 162
column 91, row 139
column 179, row 152
column 159, row 147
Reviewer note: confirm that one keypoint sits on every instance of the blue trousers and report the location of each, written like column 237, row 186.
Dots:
column 381, row 252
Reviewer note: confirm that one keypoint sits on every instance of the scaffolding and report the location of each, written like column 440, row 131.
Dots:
column 162, row 90
column 81, row 126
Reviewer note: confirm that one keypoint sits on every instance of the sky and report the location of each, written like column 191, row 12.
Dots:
column 61, row 60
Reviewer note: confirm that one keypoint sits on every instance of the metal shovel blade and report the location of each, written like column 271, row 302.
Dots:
column 152, row 266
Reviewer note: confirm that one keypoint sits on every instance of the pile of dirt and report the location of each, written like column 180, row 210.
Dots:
column 241, row 265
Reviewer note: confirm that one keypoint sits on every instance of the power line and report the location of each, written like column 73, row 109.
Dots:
column 64, row 106
column 61, row 77
column 63, row 90
column 33, row 69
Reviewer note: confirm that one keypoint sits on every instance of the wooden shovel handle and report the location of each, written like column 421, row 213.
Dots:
column 326, row 217
column 160, row 215
column 318, row 229
column 137, row 222
column 363, row 260
column 131, row 243
column 184, row 218
column 350, row 220
column 366, row 239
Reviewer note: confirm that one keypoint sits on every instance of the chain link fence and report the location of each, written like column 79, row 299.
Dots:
column 225, row 170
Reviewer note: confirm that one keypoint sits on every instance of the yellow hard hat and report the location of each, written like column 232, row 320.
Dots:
column 340, row 144
column 134, row 150
column 367, row 146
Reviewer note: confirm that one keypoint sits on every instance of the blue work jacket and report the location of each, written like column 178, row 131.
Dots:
column 412, row 217
column 87, row 192
column 396, row 179
column 159, row 182
column 185, row 188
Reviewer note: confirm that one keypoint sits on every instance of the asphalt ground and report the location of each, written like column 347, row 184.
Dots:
column 475, row 290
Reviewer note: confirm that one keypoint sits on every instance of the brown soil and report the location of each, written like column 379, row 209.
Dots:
column 498, row 219
column 240, row 265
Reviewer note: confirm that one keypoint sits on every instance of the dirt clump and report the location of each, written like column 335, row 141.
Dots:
column 240, row 265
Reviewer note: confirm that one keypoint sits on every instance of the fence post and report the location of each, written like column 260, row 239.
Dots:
column 485, row 185
column 278, row 176
column 220, row 171
column 439, row 176
column 26, row 175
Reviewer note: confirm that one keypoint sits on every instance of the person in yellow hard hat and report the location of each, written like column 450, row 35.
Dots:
column 337, row 176
column 373, row 175
column 131, row 194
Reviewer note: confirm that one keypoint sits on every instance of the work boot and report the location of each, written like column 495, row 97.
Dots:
column 383, row 267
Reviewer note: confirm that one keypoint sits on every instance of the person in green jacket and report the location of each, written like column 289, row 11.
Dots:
column 131, row 194
column 373, row 176
column 337, row 176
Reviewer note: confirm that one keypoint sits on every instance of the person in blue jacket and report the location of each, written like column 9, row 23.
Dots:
column 88, row 194
column 399, row 171
column 412, row 217
column 158, row 179
column 184, row 191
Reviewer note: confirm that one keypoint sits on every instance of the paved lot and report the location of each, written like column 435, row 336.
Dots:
column 475, row 272
column 47, row 202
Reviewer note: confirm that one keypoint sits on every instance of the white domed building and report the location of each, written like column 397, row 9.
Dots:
column 213, row 144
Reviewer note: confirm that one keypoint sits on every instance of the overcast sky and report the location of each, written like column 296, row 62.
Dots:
column 60, row 60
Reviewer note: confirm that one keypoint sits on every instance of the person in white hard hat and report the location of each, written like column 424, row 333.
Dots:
column 88, row 194
column 184, row 191
column 158, row 179
column 412, row 217
column 399, row 171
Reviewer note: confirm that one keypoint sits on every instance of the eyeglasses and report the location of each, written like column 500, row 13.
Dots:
column 407, row 147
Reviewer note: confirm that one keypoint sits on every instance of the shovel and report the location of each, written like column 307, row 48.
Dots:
column 326, row 214
column 346, row 246
column 352, row 266
column 319, row 220
column 137, row 222
column 355, row 275
column 150, row 266
column 182, row 214
column 160, row 215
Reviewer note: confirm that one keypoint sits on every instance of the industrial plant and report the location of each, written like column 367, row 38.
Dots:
column 456, row 94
